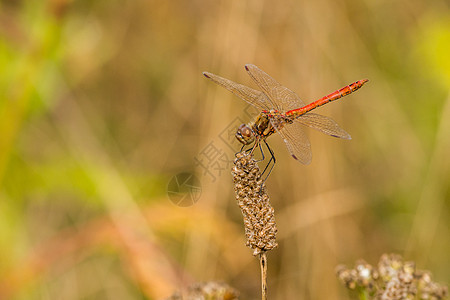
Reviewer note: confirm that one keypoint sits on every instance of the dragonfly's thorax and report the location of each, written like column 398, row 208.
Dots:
column 263, row 126
column 277, row 119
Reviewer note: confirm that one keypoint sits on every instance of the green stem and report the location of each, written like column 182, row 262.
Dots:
column 363, row 295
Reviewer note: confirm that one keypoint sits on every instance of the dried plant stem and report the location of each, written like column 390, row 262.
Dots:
column 263, row 264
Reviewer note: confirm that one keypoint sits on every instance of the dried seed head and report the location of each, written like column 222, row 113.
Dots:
column 393, row 279
column 394, row 290
column 346, row 276
column 366, row 275
column 259, row 215
column 207, row 290
column 389, row 266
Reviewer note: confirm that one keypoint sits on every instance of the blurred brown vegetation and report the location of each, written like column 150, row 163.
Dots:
column 102, row 102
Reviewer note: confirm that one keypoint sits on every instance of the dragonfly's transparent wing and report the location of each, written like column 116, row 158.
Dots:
column 254, row 97
column 296, row 141
column 282, row 98
column 323, row 124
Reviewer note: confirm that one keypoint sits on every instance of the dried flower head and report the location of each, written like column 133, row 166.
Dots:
column 389, row 266
column 347, row 276
column 207, row 290
column 259, row 215
column 428, row 288
column 393, row 279
column 363, row 275
column 394, row 290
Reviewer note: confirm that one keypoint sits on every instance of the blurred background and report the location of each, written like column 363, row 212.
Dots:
column 103, row 103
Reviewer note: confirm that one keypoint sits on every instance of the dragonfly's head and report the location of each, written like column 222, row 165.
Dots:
column 245, row 134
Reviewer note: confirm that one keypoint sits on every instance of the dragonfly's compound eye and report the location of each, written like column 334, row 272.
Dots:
column 245, row 134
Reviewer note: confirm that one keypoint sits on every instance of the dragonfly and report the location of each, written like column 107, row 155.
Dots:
column 282, row 111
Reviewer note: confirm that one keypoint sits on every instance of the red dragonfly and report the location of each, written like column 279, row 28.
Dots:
column 283, row 112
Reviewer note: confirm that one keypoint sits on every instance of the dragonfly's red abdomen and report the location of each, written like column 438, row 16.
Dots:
column 331, row 97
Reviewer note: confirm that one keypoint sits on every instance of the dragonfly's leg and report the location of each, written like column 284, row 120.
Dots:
column 263, row 157
column 257, row 143
column 272, row 158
